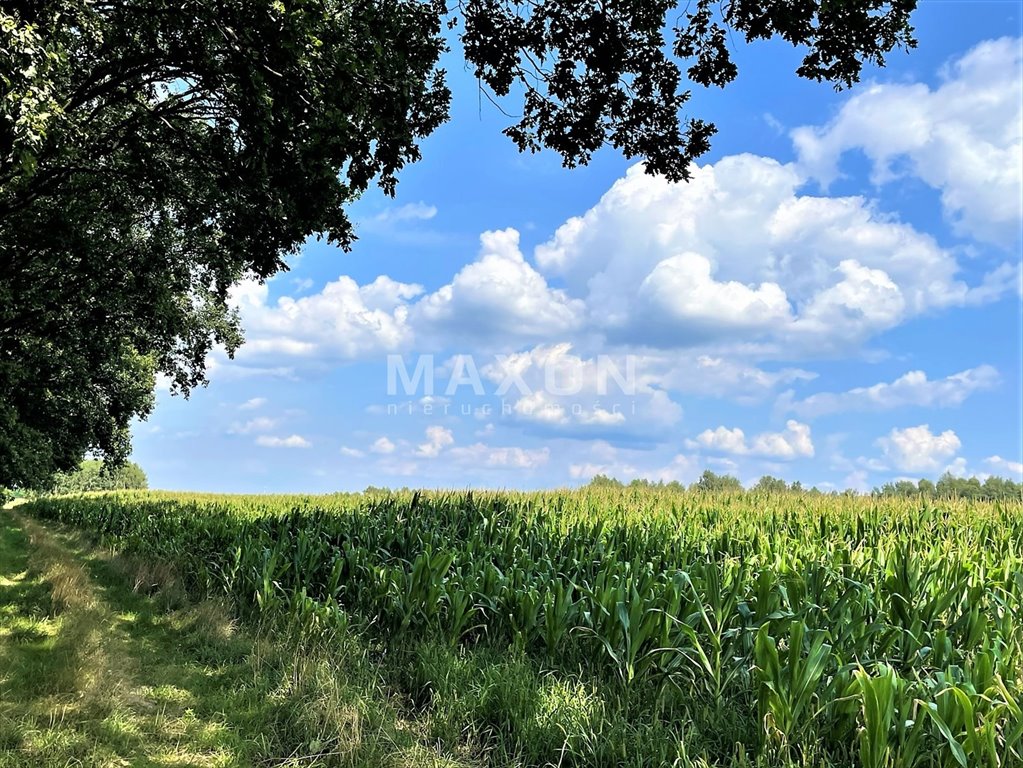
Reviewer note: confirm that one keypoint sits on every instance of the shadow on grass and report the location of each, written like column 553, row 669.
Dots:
column 27, row 633
column 92, row 685
column 128, row 679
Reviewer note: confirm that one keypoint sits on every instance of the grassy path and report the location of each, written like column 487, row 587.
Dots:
column 93, row 672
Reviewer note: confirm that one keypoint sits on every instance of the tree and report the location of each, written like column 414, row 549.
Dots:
column 154, row 153
column 710, row 481
column 93, row 475
column 151, row 156
column 604, row 481
column 903, row 488
column 768, row 484
column 949, row 486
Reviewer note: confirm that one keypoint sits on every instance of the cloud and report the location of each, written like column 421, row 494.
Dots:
column 399, row 468
column 540, row 407
column 220, row 367
column 863, row 302
column 434, row 401
column 499, row 298
column 721, row 439
column 857, row 480
column 418, row 211
column 794, row 442
column 509, row 457
column 382, row 445
column 601, row 417
column 253, row 404
column 729, row 465
column 1013, row 468
column 258, row 424
column 353, row 453
column 740, row 256
column 917, row 449
column 964, row 138
column 912, row 389
column 740, row 265
column 721, row 375
column 344, row 321
column 551, row 386
column 589, row 470
column 680, row 468
column 292, row 441
column 958, row 468
column 437, row 439
column 683, row 298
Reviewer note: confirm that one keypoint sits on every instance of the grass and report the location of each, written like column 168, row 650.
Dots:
column 593, row 628
column 102, row 664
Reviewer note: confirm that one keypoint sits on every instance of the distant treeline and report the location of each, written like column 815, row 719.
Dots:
column 93, row 475
column 948, row 486
column 709, row 481
column 992, row 489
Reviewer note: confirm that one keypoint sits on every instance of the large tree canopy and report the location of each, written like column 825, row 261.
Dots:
column 153, row 153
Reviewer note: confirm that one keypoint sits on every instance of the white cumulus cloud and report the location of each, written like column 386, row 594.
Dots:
column 498, row 298
column 917, row 449
column 1013, row 468
column 911, row 389
column 684, row 298
column 344, row 321
column 292, row 441
column 501, row 457
column 258, row 424
column 964, row 138
column 382, row 445
column 791, row 443
column 552, row 386
column 437, row 439
column 741, row 254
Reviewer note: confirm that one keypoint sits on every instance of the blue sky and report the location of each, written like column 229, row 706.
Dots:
column 834, row 298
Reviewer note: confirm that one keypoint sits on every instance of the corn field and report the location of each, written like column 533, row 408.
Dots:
column 701, row 629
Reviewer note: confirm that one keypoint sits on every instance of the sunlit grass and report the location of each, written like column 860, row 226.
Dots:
column 99, row 670
column 598, row 627
column 591, row 628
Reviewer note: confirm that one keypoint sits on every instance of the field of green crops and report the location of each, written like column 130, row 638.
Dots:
column 635, row 627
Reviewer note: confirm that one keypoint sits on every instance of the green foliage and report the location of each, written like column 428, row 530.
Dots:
column 951, row 487
column 154, row 154
column 789, row 682
column 711, row 481
column 638, row 483
column 676, row 627
column 768, row 484
column 603, row 481
column 93, row 475
column 601, row 73
column 157, row 680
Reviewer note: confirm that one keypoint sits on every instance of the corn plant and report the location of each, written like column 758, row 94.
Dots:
column 826, row 631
